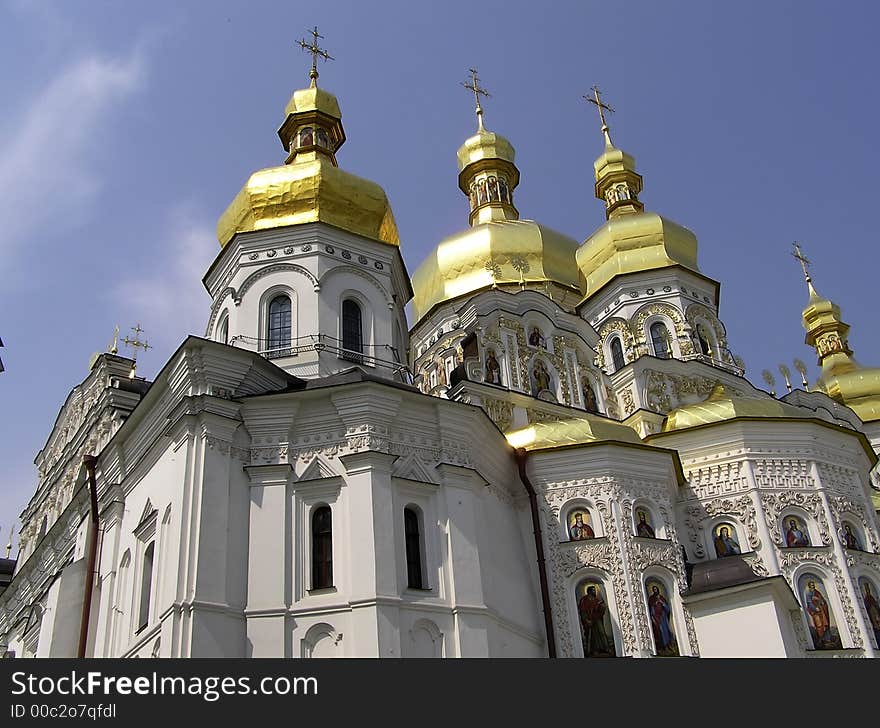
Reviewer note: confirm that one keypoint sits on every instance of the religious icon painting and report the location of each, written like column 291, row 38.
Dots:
column 851, row 539
column 820, row 616
column 321, row 136
column 795, row 532
column 869, row 596
column 306, row 138
column 580, row 525
column 660, row 615
column 644, row 524
column 724, row 540
column 590, row 404
column 596, row 631
column 481, row 192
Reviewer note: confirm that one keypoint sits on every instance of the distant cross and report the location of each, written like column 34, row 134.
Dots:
column 596, row 99
column 316, row 51
column 804, row 261
column 474, row 86
column 114, row 347
column 135, row 344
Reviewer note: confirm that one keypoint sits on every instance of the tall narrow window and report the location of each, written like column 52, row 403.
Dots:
column 146, row 587
column 617, row 353
column 352, row 331
column 413, row 549
column 703, row 342
column 278, row 333
column 660, row 340
column 223, row 336
column 322, row 548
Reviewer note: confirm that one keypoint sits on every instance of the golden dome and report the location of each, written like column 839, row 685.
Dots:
column 634, row 242
column 484, row 145
column 574, row 431
column 842, row 378
column 313, row 99
column 310, row 187
column 512, row 250
column 722, row 405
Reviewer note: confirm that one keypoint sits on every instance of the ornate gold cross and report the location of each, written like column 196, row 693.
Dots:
column 596, row 99
column 804, row 261
column 316, row 52
column 474, row 86
column 135, row 344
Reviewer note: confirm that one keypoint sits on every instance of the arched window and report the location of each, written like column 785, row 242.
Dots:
column 322, row 548
column 660, row 340
column 146, row 587
column 703, row 341
column 278, row 334
column 617, row 353
column 223, row 333
column 352, row 331
column 413, row 549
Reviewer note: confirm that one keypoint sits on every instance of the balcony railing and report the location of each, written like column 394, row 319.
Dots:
column 374, row 355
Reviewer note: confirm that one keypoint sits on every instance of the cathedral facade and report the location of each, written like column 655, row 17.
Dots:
column 557, row 455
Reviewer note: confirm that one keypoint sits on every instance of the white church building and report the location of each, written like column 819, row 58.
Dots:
column 558, row 455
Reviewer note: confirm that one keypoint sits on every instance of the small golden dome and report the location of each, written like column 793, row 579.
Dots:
column 842, row 378
column 722, row 405
column 484, row 145
column 313, row 99
column 310, row 187
column 507, row 251
column 575, row 431
column 635, row 242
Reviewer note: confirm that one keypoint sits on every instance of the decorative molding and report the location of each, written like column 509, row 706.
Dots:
column 811, row 503
column 268, row 270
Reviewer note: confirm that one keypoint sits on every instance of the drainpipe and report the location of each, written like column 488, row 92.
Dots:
column 521, row 454
column 89, row 461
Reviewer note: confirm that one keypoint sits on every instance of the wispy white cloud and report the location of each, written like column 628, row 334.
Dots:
column 45, row 168
column 169, row 300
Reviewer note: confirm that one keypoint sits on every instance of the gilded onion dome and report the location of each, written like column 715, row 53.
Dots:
column 842, row 378
column 499, row 249
column 310, row 186
column 631, row 240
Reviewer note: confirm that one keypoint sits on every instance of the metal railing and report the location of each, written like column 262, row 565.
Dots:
column 324, row 343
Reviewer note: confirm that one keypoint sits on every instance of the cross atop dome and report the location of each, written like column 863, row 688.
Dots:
column 601, row 107
column 474, row 86
column 316, row 51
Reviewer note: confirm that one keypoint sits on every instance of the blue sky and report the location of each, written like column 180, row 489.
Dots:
column 127, row 128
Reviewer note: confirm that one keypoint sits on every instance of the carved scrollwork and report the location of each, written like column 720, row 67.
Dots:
column 811, row 503
column 741, row 508
column 656, row 309
column 499, row 411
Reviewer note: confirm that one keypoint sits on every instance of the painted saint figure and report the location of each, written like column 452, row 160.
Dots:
column 590, row 404
column 661, row 622
column 725, row 544
column 493, row 368
column 643, row 527
column 536, row 338
column 850, row 540
column 795, row 534
column 306, row 138
column 542, row 377
column 819, row 613
column 872, row 609
column 593, row 614
column 580, row 530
